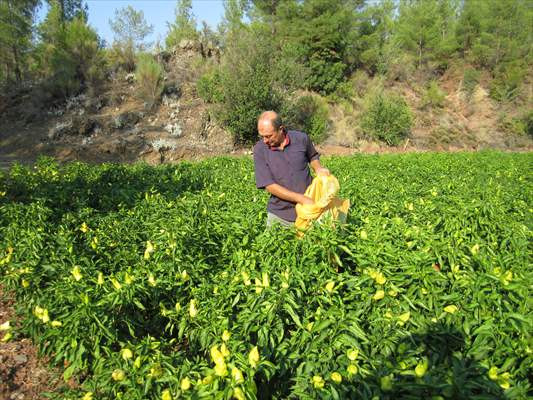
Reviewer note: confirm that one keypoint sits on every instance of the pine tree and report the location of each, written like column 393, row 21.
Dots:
column 426, row 28
column 492, row 32
column 130, row 28
column 325, row 32
column 70, row 9
column 16, row 19
column 234, row 11
column 375, row 45
column 184, row 25
column 68, row 54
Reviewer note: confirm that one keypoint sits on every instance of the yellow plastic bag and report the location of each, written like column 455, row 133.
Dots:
column 323, row 190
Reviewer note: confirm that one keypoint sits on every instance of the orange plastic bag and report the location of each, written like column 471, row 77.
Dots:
column 323, row 190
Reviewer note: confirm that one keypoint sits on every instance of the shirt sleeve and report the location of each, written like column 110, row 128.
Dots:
column 310, row 150
column 263, row 176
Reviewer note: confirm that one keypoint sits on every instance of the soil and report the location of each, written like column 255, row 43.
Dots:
column 23, row 374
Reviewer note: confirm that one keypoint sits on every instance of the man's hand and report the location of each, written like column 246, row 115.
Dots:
column 319, row 169
column 286, row 194
column 322, row 171
column 306, row 200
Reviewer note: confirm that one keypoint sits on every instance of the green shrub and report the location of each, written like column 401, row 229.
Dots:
column 123, row 56
column 401, row 68
column 149, row 76
column 528, row 122
column 470, row 80
column 245, row 95
column 433, row 96
column 82, row 45
column 512, row 125
column 325, row 75
column 73, row 61
column 308, row 114
column 208, row 87
column 387, row 118
column 344, row 92
column 243, row 86
column 63, row 81
column 506, row 84
column 520, row 125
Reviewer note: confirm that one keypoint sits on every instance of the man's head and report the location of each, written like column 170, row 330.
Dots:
column 271, row 128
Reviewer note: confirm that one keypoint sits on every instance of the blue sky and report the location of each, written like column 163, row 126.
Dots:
column 156, row 12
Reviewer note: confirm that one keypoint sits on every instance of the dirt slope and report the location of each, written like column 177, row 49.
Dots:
column 116, row 125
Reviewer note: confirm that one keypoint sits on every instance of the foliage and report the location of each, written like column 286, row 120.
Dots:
column 427, row 30
column 522, row 124
column 16, row 19
column 131, row 275
column 471, row 78
column 208, row 87
column 315, row 45
column 507, row 81
column 493, row 32
column 243, row 86
column 387, row 118
column 324, row 30
column 122, row 56
column 433, row 96
column 184, row 26
column 70, row 9
column 528, row 122
column 232, row 20
column 69, row 57
column 308, row 114
column 130, row 29
column 149, row 78
column 82, row 45
column 375, row 47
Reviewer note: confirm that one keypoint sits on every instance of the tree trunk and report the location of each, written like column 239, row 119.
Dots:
column 18, row 73
column 62, row 7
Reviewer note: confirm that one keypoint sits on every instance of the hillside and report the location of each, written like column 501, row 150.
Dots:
column 116, row 126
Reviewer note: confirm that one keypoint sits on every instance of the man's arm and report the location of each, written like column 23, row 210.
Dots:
column 319, row 169
column 286, row 194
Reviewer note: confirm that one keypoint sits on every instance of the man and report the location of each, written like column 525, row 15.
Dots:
column 281, row 161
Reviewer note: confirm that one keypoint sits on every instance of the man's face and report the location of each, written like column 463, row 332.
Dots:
column 271, row 137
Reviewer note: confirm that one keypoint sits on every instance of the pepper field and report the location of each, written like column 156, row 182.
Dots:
column 162, row 283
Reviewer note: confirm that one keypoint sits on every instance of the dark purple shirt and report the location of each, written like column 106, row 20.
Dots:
column 288, row 168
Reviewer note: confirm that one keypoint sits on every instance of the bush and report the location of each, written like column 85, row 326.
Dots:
column 433, row 96
column 243, row 86
column 506, row 84
column 149, row 76
column 208, row 87
column 73, row 61
column 522, row 125
column 308, row 114
column 246, row 94
column 470, row 80
column 387, row 118
column 325, row 75
column 401, row 68
column 511, row 125
column 83, row 46
column 528, row 122
column 123, row 56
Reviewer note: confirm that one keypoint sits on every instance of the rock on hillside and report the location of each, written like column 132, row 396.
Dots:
column 115, row 125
